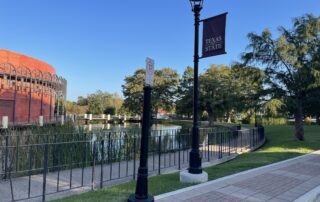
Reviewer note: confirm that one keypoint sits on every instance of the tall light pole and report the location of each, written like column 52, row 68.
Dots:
column 195, row 173
column 195, row 158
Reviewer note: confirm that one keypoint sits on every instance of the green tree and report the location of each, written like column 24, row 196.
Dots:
column 184, row 103
column 163, row 95
column 247, row 90
column 99, row 101
column 216, row 92
column 274, row 108
column 82, row 101
column 312, row 104
column 74, row 108
column 291, row 62
column 133, row 92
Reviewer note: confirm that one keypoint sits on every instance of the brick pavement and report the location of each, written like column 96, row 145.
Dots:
column 280, row 182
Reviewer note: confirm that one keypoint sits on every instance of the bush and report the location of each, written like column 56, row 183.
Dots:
column 307, row 121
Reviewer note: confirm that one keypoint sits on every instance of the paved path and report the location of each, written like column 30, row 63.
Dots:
column 285, row 181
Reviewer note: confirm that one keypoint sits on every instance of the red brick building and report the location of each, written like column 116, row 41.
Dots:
column 29, row 88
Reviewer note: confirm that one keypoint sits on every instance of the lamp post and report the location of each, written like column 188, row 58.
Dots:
column 195, row 173
column 195, row 159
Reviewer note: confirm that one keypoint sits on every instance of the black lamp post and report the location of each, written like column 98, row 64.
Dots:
column 195, row 158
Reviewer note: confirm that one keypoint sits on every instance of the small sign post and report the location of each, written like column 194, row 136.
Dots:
column 149, row 71
column 141, row 194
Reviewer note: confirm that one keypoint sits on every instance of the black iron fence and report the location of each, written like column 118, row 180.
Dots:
column 39, row 165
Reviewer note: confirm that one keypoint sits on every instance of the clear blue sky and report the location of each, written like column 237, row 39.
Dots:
column 94, row 44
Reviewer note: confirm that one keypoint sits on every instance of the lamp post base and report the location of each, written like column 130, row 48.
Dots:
column 132, row 198
column 186, row 177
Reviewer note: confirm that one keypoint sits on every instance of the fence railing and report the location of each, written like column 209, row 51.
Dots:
column 70, row 161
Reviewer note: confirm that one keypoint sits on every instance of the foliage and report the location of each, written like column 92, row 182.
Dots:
column 163, row 95
column 274, row 108
column 99, row 101
column 96, row 103
column 74, row 108
column 291, row 63
column 82, row 101
column 226, row 91
column 184, row 102
column 248, row 90
column 216, row 93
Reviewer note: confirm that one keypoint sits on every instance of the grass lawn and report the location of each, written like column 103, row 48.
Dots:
column 280, row 145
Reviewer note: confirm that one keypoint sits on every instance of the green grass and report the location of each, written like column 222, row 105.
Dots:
column 280, row 145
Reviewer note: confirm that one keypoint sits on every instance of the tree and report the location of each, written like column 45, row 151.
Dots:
column 184, row 102
column 291, row 62
column 82, row 101
column 247, row 90
column 163, row 95
column 216, row 92
column 165, row 89
column 99, row 101
column 74, row 108
column 312, row 104
column 274, row 108
column 133, row 91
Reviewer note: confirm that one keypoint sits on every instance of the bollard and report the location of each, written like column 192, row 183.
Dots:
column 85, row 116
column 90, row 117
column 62, row 120
column 103, row 116
column 5, row 122
column 108, row 117
column 40, row 121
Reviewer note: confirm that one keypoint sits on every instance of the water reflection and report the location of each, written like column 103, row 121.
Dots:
column 120, row 127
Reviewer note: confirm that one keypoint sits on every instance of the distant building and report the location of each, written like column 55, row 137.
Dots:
column 29, row 88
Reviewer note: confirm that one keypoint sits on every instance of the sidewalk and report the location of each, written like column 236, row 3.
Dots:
column 284, row 181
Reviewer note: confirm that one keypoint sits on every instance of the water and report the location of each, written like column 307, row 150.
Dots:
column 127, row 126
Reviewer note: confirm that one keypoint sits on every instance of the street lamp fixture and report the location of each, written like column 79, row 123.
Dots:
column 196, row 3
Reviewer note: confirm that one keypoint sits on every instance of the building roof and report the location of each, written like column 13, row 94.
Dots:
column 19, row 60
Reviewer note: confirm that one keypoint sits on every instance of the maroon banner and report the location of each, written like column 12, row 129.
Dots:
column 213, row 41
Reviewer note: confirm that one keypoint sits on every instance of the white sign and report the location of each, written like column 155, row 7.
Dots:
column 149, row 71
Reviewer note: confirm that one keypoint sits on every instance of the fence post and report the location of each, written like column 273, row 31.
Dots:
column 45, row 170
column 84, row 156
column 134, row 157
column 17, row 153
column 159, row 155
column 6, row 158
column 208, row 147
column 220, row 145
column 93, row 165
column 229, row 143
column 179, row 147
column 102, row 158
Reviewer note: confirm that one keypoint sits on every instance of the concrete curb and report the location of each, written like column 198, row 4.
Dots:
column 311, row 196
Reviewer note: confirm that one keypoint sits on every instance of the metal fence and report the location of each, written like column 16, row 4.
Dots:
column 39, row 165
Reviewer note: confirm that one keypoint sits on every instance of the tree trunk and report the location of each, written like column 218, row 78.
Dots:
column 210, row 116
column 318, row 119
column 299, row 131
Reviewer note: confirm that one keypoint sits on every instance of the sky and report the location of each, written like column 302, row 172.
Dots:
column 94, row 44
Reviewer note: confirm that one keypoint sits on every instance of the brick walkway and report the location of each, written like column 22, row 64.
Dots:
column 280, row 182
